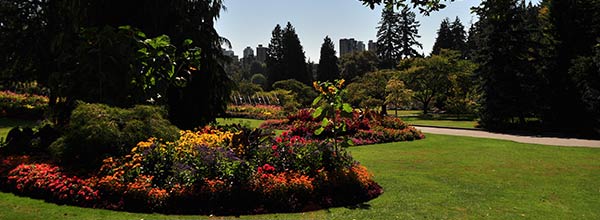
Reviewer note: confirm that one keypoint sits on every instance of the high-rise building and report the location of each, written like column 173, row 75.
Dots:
column 360, row 47
column 347, row 46
column 351, row 45
column 372, row 46
column 230, row 53
column 261, row 53
column 248, row 52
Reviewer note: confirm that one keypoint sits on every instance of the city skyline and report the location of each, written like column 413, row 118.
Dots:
column 250, row 23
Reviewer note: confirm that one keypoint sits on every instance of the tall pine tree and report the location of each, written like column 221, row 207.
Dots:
column 328, row 69
column 450, row 36
column 294, row 59
column 274, row 59
column 409, row 32
column 444, row 37
column 459, row 37
column 387, row 39
column 504, row 64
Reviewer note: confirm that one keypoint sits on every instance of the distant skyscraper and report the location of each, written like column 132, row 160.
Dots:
column 347, row 46
column 261, row 53
column 360, row 47
column 373, row 46
column 248, row 52
column 351, row 45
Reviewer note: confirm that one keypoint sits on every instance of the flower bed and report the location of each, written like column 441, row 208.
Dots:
column 22, row 105
column 361, row 129
column 211, row 171
column 261, row 112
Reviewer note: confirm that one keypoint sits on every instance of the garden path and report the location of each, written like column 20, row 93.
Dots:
column 556, row 141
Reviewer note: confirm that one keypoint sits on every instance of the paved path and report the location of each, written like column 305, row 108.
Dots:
column 571, row 142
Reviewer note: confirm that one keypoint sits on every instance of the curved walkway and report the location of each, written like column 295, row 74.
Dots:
column 570, row 142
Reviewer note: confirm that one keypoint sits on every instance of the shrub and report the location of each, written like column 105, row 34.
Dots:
column 255, row 111
column 22, row 105
column 29, row 140
column 97, row 131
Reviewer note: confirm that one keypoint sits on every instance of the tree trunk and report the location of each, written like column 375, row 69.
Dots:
column 384, row 109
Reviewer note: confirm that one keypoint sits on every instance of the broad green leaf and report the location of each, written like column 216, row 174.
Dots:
column 317, row 112
column 319, row 131
column 347, row 108
column 317, row 100
column 187, row 42
column 325, row 122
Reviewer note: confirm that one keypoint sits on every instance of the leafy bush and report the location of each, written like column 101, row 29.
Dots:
column 96, row 131
column 29, row 140
column 304, row 94
column 22, row 105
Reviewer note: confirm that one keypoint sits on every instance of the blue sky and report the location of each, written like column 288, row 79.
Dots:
column 250, row 22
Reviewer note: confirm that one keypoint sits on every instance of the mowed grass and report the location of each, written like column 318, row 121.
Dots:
column 440, row 177
column 253, row 123
column 415, row 117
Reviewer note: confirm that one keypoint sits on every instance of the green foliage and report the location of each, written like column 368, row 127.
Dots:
column 451, row 36
column 425, row 6
column 331, row 109
column 328, row 62
column 438, row 77
column 96, row 131
column 285, row 57
column 259, row 79
column 507, row 40
column 397, row 34
column 286, row 98
column 369, row 91
column 397, row 93
column 303, row 93
column 28, row 106
column 357, row 64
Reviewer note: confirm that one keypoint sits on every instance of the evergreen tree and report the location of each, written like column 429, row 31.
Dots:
column 275, row 57
column 472, row 42
column 575, row 27
column 409, row 32
column 458, row 36
column 285, row 57
column 328, row 69
column 444, row 37
column 294, row 59
column 388, row 38
column 507, row 79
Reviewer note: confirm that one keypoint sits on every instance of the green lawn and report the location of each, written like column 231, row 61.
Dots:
column 8, row 123
column 253, row 123
column 415, row 117
column 440, row 177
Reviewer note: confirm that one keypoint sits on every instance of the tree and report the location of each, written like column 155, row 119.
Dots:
column 451, row 36
column 398, row 94
column 409, row 32
column 274, row 58
column 357, row 64
column 293, row 56
column 370, row 90
column 444, row 37
column 432, row 78
column 458, row 36
column 304, row 94
column 285, row 57
column 425, row 6
column 574, row 26
column 505, row 68
column 328, row 69
column 388, row 37
column 61, row 34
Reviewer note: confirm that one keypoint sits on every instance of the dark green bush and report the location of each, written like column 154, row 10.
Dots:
column 97, row 131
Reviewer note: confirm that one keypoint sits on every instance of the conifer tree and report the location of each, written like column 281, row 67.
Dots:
column 387, row 38
column 294, row 59
column 409, row 32
column 275, row 57
column 328, row 69
column 458, row 36
column 444, row 37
